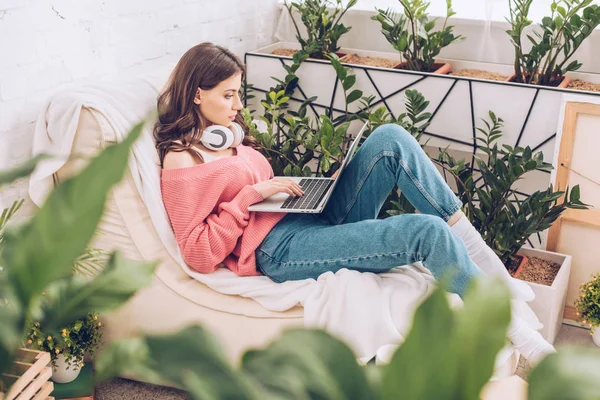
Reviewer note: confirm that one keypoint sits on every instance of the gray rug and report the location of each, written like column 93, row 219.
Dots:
column 125, row 389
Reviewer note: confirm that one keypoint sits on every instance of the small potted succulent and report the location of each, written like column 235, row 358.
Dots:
column 414, row 36
column 69, row 346
column 553, row 45
column 588, row 306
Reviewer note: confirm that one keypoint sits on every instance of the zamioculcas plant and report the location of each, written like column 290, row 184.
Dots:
column 414, row 36
column 491, row 202
column 554, row 43
column 323, row 28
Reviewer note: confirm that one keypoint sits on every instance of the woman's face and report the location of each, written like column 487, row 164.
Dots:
column 221, row 104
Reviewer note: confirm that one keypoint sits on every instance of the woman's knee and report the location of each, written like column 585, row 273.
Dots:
column 434, row 235
column 392, row 137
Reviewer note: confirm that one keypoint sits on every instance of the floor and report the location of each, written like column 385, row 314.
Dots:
column 117, row 389
column 568, row 335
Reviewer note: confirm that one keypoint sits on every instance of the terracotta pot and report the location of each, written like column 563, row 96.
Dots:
column 438, row 68
column 524, row 260
column 563, row 84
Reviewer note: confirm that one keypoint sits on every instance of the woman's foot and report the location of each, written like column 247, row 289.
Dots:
column 529, row 342
column 485, row 258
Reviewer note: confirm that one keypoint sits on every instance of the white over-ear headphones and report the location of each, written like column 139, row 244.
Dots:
column 219, row 137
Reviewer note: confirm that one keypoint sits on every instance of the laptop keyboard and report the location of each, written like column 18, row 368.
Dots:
column 314, row 190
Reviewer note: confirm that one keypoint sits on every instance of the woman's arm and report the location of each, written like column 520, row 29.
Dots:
column 209, row 242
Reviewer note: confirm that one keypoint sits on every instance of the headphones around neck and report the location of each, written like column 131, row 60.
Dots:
column 219, row 137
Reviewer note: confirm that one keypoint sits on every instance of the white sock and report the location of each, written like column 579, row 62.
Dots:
column 529, row 342
column 485, row 258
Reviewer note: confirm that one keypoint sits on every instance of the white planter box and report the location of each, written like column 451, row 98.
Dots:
column 550, row 301
column 458, row 104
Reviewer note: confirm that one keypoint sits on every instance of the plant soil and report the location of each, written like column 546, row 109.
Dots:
column 481, row 74
column 555, row 82
column 538, row 270
column 578, row 84
column 284, row 52
column 404, row 66
column 372, row 61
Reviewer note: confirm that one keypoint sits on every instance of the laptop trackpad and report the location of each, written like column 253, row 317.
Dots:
column 275, row 199
column 271, row 203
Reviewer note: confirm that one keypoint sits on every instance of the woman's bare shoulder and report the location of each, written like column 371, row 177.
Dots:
column 179, row 159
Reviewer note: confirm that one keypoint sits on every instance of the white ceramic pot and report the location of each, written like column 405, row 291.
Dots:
column 550, row 301
column 596, row 336
column 60, row 373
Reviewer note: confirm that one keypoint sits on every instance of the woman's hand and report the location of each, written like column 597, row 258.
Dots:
column 278, row 185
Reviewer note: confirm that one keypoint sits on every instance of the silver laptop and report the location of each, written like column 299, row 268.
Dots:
column 317, row 191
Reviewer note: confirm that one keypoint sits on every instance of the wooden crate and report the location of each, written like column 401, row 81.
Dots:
column 28, row 378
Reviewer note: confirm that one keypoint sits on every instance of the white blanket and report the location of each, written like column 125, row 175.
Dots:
column 367, row 310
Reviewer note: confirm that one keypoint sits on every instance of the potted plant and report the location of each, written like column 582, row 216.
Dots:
column 77, row 338
column 414, row 35
column 323, row 27
column 506, row 220
column 553, row 45
column 82, row 336
column 588, row 306
column 35, row 259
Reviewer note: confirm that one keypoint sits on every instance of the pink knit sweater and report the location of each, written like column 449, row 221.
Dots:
column 208, row 208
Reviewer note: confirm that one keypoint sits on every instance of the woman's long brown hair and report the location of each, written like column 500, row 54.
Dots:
column 203, row 66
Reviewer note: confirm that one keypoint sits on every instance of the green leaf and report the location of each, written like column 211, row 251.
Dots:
column 568, row 374
column 430, row 342
column 196, row 350
column 353, row 96
column 575, row 194
column 349, row 81
column 401, row 44
column 480, row 334
column 306, row 364
column 22, row 170
column 71, row 299
column 47, row 245
column 129, row 355
column 171, row 358
column 7, row 214
column 340, row 70
column 547, row 21
column 11, row 328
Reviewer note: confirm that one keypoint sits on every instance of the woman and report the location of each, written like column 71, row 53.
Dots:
column 207, row 194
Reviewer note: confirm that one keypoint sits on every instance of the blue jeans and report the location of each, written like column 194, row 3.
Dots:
column 348, row 235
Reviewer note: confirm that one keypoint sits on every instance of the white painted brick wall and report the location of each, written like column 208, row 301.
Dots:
column 46, row 44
